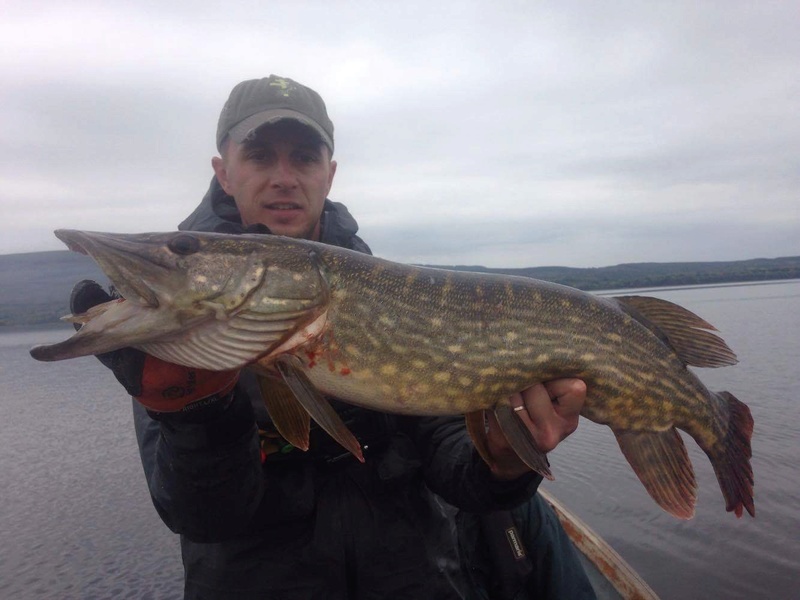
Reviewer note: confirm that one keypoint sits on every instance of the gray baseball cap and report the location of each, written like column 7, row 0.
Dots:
column 257, row 102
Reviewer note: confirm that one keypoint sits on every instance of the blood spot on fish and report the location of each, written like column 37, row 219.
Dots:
column 344, row 371
column 312, row 358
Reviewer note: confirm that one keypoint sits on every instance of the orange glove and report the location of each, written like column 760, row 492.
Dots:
column 167, row 387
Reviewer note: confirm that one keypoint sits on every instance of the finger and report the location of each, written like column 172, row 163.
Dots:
column 544, row 420
column 539, row 409
column 567, row 386
column 568, row 396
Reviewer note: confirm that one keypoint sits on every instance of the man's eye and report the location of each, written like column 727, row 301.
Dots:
column 307, row 158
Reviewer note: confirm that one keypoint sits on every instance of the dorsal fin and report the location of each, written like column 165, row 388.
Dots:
column 683, row 330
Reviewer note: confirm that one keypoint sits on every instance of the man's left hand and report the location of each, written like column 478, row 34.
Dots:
column 551, row 414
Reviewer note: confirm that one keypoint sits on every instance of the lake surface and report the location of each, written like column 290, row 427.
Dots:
column 76, row 519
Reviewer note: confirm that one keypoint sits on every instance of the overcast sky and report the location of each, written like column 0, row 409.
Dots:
column 494, row 133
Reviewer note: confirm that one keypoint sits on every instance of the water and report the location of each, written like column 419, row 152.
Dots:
column 76, row 519
column 713, row 555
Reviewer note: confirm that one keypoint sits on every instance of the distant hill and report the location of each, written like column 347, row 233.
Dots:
column 646, row 275
column 35, row 287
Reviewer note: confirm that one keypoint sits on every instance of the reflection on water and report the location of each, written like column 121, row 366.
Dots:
column 78, row 522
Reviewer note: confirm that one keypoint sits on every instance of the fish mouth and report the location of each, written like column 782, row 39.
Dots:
column 129, row 260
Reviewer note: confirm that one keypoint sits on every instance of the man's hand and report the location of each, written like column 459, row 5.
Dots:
column 550, row 412
column 160, row 386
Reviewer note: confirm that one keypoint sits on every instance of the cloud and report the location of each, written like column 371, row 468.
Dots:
column 516, row 134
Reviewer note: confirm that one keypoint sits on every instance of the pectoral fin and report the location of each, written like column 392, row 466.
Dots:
column 287, row 414
column 476, row 427
column 660, row 460
column 522, row 441
column 291, row 369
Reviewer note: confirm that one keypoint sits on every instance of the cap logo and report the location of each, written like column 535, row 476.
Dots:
column 285, row 86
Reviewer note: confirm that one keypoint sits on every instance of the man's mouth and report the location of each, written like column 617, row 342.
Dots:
column 283, row 206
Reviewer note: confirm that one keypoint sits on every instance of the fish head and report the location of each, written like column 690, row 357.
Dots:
column 181, row 284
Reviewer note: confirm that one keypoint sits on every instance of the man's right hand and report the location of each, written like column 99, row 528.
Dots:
column 160, row 386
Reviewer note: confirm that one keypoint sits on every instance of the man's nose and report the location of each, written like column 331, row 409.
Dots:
column 284, row 174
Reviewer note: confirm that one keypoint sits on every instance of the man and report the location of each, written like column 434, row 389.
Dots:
column 261, row 519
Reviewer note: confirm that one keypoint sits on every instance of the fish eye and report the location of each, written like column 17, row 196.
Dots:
column 184, row 244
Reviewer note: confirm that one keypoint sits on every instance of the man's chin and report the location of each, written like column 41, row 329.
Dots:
column 294, row 230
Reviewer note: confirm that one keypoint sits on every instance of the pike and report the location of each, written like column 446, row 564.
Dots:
column 315, row 320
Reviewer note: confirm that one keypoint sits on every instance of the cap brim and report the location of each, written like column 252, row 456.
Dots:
column 242, row 130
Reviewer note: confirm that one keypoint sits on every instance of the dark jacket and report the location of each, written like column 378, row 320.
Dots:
column 317, row 524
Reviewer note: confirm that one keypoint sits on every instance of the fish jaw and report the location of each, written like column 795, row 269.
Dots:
column 116, row 324
column 133, row 263
column 148, row 275
column 201, row 300
column 187, row 272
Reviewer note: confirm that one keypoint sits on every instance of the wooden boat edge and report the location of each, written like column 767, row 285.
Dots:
column 611, row 566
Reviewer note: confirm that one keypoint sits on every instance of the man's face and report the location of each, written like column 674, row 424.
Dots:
column 280, row 178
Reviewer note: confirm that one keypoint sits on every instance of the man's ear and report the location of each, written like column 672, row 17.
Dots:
column 218, row 164
column 332, row 173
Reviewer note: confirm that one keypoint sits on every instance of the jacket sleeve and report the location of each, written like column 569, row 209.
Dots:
column 205, row 478
column 453, row 469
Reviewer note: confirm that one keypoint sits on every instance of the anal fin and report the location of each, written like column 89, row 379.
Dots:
column 660, row 460
column 291, row 369
column 522, row 441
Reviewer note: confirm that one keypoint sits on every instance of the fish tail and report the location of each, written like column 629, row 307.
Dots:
column 732, row 461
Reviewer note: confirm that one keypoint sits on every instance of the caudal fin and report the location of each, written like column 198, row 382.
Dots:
column 732, row 464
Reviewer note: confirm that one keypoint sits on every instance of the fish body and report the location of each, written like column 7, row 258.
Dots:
column 420, row 341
